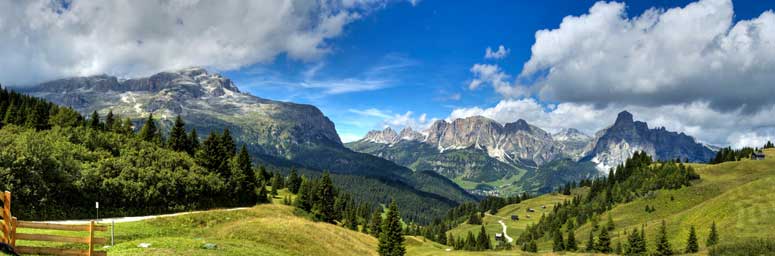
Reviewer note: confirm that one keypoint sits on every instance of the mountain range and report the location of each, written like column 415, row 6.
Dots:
column 512, row 157
column 278, row 134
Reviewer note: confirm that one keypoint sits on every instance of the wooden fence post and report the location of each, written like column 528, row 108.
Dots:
column 13, row 231
column 91, row 238
column 7, row 217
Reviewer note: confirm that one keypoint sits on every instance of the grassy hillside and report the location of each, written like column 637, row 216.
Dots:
column 270, row 229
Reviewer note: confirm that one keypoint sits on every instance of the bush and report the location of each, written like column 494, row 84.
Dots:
column 752, row 247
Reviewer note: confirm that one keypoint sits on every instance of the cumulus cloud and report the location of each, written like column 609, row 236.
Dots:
column 698, row 119
column 493, row 75
column 397, row 121
column 660, row 57
column 500, row 53
column 45, row 39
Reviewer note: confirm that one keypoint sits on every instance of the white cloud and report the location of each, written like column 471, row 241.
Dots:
column 494, row 75
column 698, row 119
column 43, row 40
column 396, row 121
column 372, row 112
column 661, row 57
column 501, row 53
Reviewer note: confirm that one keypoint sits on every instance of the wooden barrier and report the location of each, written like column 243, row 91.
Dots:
column 10, row 236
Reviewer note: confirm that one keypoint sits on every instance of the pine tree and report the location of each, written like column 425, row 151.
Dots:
column 227, row 142
column 603, row 241
column 94, row 121
column 558, row 243
column 275, row 184
column 590, row 246
column 691, row 243
column 304, row 197
column 351, row 220
column 212, row 156
column 451, row 241
column 570, row 243
column 244, row 178
column 375, row 226
column 663, row 245
column 635, row 245
column 149, row 130
column 127, row 128
column 11, row 114
column 391, row 239
column 261, row 194
column 293, row 181
column 532, row 246
column 110, row 121
column 482, row 240
column 470, row 244
column 193, row 142
column 263, row 174
column 713, row 236
column 474, row 219
column 178, row 139
column 323, row 208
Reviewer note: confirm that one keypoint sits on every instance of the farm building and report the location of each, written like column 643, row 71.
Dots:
column 757, row 156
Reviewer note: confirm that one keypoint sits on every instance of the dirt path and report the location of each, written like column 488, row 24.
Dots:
column 508, row 238
column 130, row 219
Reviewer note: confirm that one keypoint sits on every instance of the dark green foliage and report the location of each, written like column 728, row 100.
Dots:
column 747, row 247
column 713, row 237
column 94, row 121
column 127, row 128
column 470, row 242
column 193, row 142
column 242, row 181
column 590, row 246
column 603, row 242
column 178, row 139
column 558, row 243
column 691, row 243
column 636, row 244
column 149, row 132
column 474, row 219
column 294, row 181
column 728, row 154
column 482, row 240
column 110, row 121
column 351, row 221
column 618, row 249
column 227, row 143
column 391, row 239
column 375, row 225
column 532, row 246
column 610, row 224
column 769, row 144
column 262, row 196
column 213, row 156
column 570, row 242
column 304, row 197
column 663, row 245
column 323, row 207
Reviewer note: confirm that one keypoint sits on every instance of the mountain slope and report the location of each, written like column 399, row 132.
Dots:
column 279, row 133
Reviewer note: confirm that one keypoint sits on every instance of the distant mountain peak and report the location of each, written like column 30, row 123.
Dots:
column 624, row 117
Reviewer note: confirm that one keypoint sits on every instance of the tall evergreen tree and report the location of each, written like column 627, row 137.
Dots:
column 482, row 240
column 603, row 241
column 470, row 244
column 213, row 157
column 323, row 208
column 558, row 243
column 193, row 142
column 127, row 128
column 276, row 180
column 227, row 142
column 294, row 181
column 590, row 246
column 713, row 236
column 570, row 243
column 149, row 130
column 304, row 197
column 12, row 115
column 532, row 246
column 351, row 221
column 691, row 243
column 262, row 196
column 110, row 121
column 663, row 245
column 243, row 179
column 391, row 239
column 178, row 139
column 94, row 121
column 375, row 226
column 610, row 224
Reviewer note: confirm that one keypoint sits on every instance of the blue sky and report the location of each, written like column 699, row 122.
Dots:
column 704, row 67
column 404, row 58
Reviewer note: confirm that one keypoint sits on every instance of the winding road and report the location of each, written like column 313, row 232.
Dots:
column 508, row 238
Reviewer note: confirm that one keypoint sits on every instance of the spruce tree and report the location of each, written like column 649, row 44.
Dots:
column 293, row 181
column 470, row 242
column 246, row 180
column 323, row 208
column 558, row 243
column 110, row 121
column 213, row 157
column 375, row 227
column 261, row 194
column 275, row 184
column 532, row 246
column 193, row 142
column 590, row 246
column 618, row 249
column 451, row 241
column 610, row 224
column 713, row 236
column 227, row 142
column 603, row 241
column 570, row 243
column 663, row 245
column 178, row 139
column 304, row 197
column 351, row 220
column 94, row 121
column 128, row 127
column 149, row 130
column 691, row 243
column 482, row 240
column 391, row 239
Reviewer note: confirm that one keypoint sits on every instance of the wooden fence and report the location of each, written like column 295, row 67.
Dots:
column 10, row 236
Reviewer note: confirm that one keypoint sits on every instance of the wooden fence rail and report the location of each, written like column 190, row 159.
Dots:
column 10, row 236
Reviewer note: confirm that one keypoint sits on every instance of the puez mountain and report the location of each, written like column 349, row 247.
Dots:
column 278, row 134
column 487, row 157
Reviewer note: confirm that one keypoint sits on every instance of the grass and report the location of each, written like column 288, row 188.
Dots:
column 271, row 229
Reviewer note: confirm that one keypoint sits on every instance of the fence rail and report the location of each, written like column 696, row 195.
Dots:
column 10, row 236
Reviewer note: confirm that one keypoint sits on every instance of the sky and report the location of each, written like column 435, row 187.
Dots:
column 705, row 68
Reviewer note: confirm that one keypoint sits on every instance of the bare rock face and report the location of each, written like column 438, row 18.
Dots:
column 613, row 145
column 572, row 142
column 386, row 136
column 206, row 101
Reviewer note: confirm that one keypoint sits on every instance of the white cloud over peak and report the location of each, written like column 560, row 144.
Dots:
column 660, row 57
column 45, row 39
column 500, row 53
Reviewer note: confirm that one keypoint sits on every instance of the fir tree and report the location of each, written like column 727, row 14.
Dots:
column 558, row 243
column 261, row 194
column 178, row 139
column 451, row 241
column 304, row 199
column 294, row 182
column 590, row 246
column 482, row 240
column 532, row 246
column 474, row 219
column 212, row 156
column 603, row 241
column 351, row 220
column 610, row 224
column 375, row 226
column 227, row 142
column 691, row 243
column 470, row 242
column 713, row 236
column 391, row 239
column 618, row 249
column 94, row 121
column 663, row 245
column 323, row 208
column 275, row 184
column 110, row 121
column 570, row 243
column 244, row 178
column 149, row 130
column 193, row 142
column 127, row 128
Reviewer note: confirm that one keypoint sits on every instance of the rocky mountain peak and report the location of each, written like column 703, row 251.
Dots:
column 624, row 118
column 570, row 134
column 409, row 134
column 519, row 125
column 385, row 136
